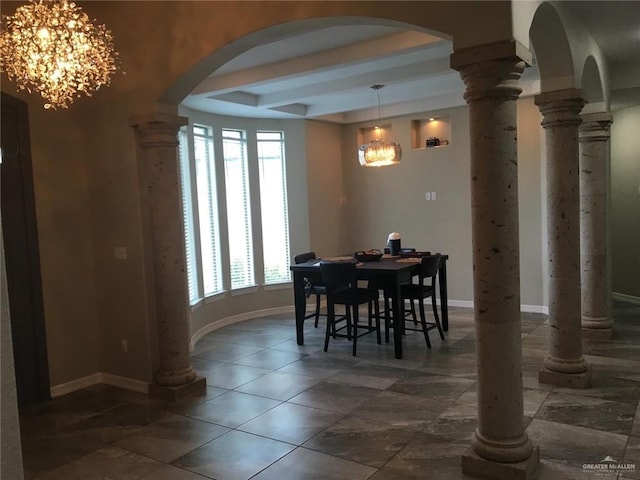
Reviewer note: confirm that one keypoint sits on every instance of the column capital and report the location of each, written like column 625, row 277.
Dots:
column 561, row 107
column 491, row 51
column 157, row 117
column 491, row 71
column 595, row 127
column 158, row 129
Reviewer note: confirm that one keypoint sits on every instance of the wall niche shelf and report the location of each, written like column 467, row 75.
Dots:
column 427, row 128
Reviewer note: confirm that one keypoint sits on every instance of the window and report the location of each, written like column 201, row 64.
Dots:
column 234, row 145
column 207, row 210
column 188, row 218
column 238, row 168
column 273, row 207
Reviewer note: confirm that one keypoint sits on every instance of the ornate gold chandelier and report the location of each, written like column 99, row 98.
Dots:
column 51, row 46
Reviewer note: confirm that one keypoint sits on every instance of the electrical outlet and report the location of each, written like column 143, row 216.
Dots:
column 124, row 345
column 120, row 253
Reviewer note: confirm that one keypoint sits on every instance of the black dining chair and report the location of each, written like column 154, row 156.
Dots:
column 425, row 288
column 313, row 286
column 341, row 282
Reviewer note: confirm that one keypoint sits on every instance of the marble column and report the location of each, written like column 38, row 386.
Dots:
column 500, row 447
column 594, row 226
column 157, row 141
column 565, row 365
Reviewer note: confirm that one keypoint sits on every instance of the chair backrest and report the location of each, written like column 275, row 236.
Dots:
column 304, row 257
column 338, row 275
column 429, row 266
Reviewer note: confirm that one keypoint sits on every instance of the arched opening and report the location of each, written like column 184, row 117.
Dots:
column 289, row 31
column 244, row 83
column 552, row 49
column 592, row 87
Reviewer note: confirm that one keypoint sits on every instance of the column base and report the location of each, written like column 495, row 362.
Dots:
column 597, row 333
column 172, row 394
column 476, row 466
column 569, row 380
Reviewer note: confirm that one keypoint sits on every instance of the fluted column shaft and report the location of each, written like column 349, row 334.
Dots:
column 157, row 138
column 594, row 207
column 492, row 91
column 561, row 119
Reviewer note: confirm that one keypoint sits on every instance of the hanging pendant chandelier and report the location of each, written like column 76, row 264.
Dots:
column 51, row 47
column 378, row 153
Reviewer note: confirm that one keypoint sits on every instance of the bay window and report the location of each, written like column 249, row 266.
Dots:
column 212, row 267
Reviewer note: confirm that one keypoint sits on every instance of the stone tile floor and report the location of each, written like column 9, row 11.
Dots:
column 276, row 410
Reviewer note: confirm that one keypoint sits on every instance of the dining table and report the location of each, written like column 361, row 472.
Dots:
column 392, row 271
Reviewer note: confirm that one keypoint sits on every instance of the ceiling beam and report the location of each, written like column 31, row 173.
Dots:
column 387, row 45
column 360, row 81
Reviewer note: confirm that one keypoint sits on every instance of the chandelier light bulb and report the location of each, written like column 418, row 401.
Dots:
column 51, row 47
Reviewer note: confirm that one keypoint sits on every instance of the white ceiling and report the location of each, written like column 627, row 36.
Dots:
column 327, row 74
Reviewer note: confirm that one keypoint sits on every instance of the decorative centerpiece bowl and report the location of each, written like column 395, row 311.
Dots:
column 368, row 256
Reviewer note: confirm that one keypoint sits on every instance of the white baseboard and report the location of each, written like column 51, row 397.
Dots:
column 241, row 317
column 74, row 385
column 98, row 378
column 625, row 298
column 523, row 308
column 126, row 383
column 457, row 303
column 535, row 309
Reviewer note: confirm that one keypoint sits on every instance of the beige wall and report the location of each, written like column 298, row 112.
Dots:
column 532, row 207
column 328, row 219
column 625, row 201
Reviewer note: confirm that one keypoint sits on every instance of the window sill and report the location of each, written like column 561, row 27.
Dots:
column 195, row 306
column 244, row 291
column 214, row 297
column 277, row 286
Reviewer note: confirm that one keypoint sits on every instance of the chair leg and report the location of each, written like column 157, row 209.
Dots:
column 317, row 309
column 349, row 322
column 413, row 312
column 387, row 318
column 330, row 325
column 376, row 308
column 355, row 328
column 435, row 314
column 424, row 323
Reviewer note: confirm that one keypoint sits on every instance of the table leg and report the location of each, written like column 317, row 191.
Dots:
column 300, row 304
column 444, row 306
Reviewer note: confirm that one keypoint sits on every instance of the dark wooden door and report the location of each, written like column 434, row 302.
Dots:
column 21, row 254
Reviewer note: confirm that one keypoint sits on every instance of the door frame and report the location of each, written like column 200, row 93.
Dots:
column 24, row 282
